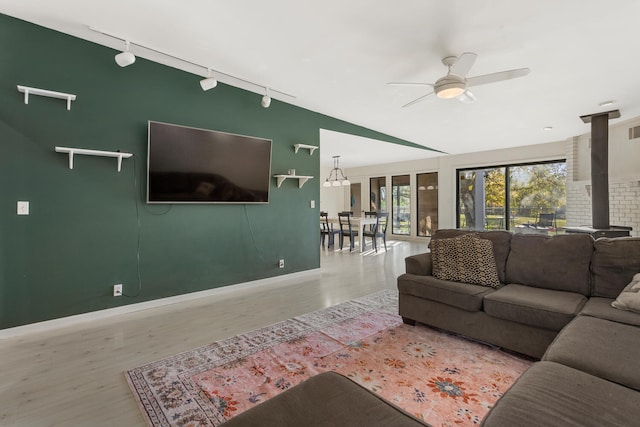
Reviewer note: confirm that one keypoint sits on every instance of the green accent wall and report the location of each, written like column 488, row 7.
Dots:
column 89, row 226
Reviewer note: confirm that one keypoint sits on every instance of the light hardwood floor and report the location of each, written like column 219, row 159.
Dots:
column 73, row 376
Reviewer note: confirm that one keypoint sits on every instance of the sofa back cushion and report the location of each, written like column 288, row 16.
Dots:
column 499, row 239
column 613, row 265
column 559, row 262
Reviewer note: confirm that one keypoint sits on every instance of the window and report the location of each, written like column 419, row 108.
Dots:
column 512, row 197
column 427, row 198
column 481, row 200
column 537, row 190
column 378, row 194
column 401, row 204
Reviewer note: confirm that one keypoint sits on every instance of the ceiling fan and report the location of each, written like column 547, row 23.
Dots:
column 455, row 84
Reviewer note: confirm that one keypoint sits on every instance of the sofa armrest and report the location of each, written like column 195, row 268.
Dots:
column 418, row 264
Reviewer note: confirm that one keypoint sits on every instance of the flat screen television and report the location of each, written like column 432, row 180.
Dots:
column 190, row 165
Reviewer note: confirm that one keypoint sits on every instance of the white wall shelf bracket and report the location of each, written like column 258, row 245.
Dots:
column 311, row 148
column 73, row 151
column 44, row 92
column 301, row 179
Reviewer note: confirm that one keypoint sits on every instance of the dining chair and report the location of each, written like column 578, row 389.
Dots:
column 326, row 229
column 347, row 230
column 370, row 229
column 379, row 229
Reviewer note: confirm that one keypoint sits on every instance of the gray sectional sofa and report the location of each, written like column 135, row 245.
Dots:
column 554, row 304
column 550, row 299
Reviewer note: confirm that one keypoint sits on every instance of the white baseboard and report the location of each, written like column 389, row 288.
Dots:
column 53, row 324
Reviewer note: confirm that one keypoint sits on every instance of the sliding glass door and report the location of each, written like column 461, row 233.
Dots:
column 378, row 194
column 512, row 197
column 427, row 198
column 401, row 204
column 538, row 191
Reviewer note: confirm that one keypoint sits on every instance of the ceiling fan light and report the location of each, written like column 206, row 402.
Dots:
column 450, row 90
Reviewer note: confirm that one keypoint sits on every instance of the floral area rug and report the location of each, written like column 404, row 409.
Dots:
column 443, row 379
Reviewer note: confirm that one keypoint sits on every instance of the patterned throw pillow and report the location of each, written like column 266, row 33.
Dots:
column 466, row 259
column 629, row 298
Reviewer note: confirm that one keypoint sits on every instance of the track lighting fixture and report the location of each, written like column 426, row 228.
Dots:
column 209, row 82
column 125, row 58
column 266, row 99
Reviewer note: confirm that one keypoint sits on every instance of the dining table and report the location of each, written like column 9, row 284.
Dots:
column 359, row 222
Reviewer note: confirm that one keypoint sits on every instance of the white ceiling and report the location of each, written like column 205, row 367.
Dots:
column 336, row 57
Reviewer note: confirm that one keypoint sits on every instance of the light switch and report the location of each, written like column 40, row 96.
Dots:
column 313, row 204
column 23, row 207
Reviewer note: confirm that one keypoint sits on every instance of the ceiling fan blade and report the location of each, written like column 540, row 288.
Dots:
column 497, row 77
column 409, row 84
column 467, row 97
column 415, row 101
column 463, row 64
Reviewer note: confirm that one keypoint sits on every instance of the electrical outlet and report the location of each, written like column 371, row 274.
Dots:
column 281, row 263
column 312, row 205
column 117, row 290
column 23, row 207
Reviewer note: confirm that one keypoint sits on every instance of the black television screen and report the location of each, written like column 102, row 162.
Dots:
column 189, row 165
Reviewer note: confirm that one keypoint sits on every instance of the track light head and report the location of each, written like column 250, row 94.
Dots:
column 266, row 99
column 125, row 58
column 208, row 82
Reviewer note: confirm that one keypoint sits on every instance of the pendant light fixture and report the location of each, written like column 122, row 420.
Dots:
column 125, row 58
column 209, row 82
column 336, row 182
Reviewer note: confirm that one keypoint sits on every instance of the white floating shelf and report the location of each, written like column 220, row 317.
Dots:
column 73, row 151
column 311, row 148
column 301, row 179
column 44, row 92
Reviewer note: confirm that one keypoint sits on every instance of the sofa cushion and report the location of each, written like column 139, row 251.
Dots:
column 550, row 394
column 601, row 308
column 543, row 308
column 559, row 262
column 599, row 347
column 326, row 400
column 462, row 295
column 614, row 263
column 629, row 298
column 499, row 239
column 466, row 259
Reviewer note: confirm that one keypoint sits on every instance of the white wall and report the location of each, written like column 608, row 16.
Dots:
column 624, row 171
column 624, row 177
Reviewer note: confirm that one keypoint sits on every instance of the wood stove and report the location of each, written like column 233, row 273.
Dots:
column 600, row 179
